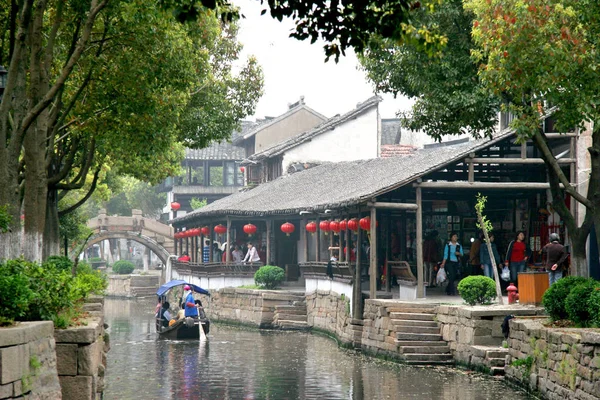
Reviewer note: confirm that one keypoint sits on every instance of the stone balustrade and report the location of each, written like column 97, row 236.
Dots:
column 557, row 363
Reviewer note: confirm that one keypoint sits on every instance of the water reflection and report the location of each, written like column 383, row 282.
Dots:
column 248, row 364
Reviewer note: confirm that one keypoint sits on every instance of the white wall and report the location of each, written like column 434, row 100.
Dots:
column 215, row 282
column 356, row 139
column 328, row 285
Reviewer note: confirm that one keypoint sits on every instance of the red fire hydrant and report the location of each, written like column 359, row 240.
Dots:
column 513, row 295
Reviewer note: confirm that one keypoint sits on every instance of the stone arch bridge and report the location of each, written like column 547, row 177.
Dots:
column 151, row 233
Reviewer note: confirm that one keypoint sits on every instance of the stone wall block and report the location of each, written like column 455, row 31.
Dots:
column 77, row 387
column 6, row 391
column 81, row 334
column 14, row 363
column 89, row 357
column 66, row 359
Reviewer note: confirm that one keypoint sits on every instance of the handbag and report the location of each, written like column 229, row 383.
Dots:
column 505, row 275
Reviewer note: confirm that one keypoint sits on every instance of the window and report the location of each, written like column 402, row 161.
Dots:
column 216, row 176
column 229, row 173
column 197, row 175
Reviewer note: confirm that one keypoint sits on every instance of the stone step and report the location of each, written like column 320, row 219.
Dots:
column 412, row 322
column 412, row 310
column 409, row 343
column 424, row 349
column 289, row 317
column 496, row 362
column 399, row 305
column 430, row 363
column 424, row 337
column 293, row 325
column 418, row 329
column 427, row 357
column 497, row 370
column 496, row 353
column 290, row 310
column 413, row 316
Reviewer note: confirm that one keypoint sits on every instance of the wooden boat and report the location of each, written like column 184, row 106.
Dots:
column 188, row 327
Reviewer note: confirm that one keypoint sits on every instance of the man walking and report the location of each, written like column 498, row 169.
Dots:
column 554, row 255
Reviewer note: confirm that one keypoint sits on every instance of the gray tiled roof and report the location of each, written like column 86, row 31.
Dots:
column 326, row 126
column 334, row 185
column 390, row 131
column 223, row 150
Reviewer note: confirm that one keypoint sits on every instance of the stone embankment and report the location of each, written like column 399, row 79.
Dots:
column 132, row 285
column 39, row 362
column 557, row 363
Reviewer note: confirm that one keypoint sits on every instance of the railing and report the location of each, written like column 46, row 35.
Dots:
column 216, row 269
column 318, row 270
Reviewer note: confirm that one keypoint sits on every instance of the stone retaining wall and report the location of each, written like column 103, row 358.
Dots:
column 466, row 328
column 247, row 306
column 132, row 285
column 379, row 334
column 558, row 363
column 330, row 312
column 81, row 355
column 28, row 362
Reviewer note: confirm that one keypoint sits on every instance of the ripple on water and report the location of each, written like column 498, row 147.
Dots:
column 236, row 363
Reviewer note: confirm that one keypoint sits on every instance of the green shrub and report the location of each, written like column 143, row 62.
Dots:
column 15, row 293
column 88, row 281
column 594, row 307
column 123, row 267
column 54, row 291
column 554, row 298
column 477, row 289
column 61, row 262
column 269, row 276
column 576, row 303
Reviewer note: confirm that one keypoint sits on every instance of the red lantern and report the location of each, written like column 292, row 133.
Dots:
column 242, row 169
column 205, row 231
column 353, row 224
column 197, row 232
column 311, row 227
column 175, row 206
column 365, row 223
column 250, row 229
column 343, row 225
column 220, row 229
column 334, row 226
column 324, row 226
column 177, row 235
column 288, row 228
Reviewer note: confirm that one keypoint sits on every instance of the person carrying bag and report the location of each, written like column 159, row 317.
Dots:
column 453, row 253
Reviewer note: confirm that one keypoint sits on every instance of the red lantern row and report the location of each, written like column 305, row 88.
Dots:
column 335, row 226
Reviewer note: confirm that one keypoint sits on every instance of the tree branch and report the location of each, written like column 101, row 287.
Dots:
column 79, row 180
column 539, row 139
column 84, row 199
column 66, row 167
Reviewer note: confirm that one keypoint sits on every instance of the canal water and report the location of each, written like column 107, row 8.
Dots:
column 238, row 363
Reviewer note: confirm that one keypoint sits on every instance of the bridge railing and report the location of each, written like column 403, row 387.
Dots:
column 318, row 270
column 216, row 269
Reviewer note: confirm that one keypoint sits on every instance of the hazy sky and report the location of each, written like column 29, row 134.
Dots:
column 295, row 68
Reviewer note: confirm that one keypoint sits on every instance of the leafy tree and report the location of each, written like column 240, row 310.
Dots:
column 197, row 203
column 519, row 56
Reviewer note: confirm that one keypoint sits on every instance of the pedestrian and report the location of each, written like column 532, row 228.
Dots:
column 554, row 255
column 252, row 255
column 516, row 256
column 453, row 252
column 474, row 258
column 431, row 256
column 190, row 306
column 486, row 259
column 216, row 253
column 206, row 251
column 237, row 254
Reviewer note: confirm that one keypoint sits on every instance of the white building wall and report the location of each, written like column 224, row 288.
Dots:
column 356, row 139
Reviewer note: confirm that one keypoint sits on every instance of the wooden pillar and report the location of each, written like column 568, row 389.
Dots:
column 342, row 253
column 210, row 245
column 268, row 255
column 175, row 242
column 388, row 253
column 356, row 292
column 305, row 233
column 419, row 239
column 402, row 237
column 524, row 149
column 201, row 248
column 373, row 255
column 348, row 240
column 331, row 234
column 318, row 246
column 471, row 168
column 228, row 238
column 187, row 245
column 193, row 246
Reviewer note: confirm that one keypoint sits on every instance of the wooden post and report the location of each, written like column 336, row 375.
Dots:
column 331, row 244
column 268, row 255
column 194, row 246
column 228, row 238
column 373, row 255
column 419, row 239
column 356, row 290
column 342, row 253
column 210, row 244
column 305, row 233
column 318, row 246
column 175, row 241
column 388, row 254
column 201, row 248
column 348, row 240
column 471, row 168
column 524, row 150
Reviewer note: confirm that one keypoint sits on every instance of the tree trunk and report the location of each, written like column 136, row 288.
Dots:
column 579, row 264
column 51, row 228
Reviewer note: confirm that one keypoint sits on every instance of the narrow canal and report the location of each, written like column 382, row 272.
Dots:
column 236, row 363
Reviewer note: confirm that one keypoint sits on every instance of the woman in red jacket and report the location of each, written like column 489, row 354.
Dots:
column 517, row 255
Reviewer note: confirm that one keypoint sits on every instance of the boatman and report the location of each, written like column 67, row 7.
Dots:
column 190, row 306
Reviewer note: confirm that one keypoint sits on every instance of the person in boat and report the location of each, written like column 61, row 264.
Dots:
column 190, row 306
column 164, row 314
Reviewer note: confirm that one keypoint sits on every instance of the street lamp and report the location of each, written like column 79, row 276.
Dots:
column 3, row 79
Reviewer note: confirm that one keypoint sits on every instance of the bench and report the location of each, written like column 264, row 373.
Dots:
column 406, row 279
